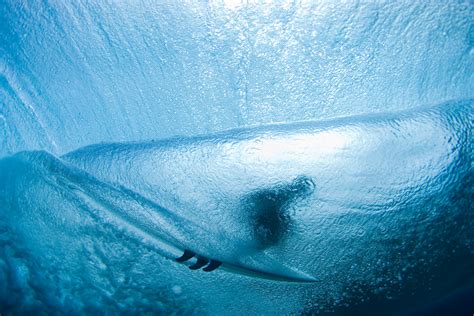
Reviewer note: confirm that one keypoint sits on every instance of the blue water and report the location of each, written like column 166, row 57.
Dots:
column 316, row 156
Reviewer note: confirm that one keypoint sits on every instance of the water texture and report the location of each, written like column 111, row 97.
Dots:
column 74, row 74
column 215, row 158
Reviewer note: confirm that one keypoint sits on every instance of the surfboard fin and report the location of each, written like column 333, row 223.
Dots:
column 260, row 265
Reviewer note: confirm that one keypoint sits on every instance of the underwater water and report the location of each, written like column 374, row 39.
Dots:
column 236, row 158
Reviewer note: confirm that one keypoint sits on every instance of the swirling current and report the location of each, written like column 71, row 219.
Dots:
column 236, row 158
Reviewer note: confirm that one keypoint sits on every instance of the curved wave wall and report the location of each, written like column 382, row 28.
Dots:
column 74, row 74
column 141, row 170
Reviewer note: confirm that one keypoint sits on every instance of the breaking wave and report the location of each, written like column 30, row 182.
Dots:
column 103, row 226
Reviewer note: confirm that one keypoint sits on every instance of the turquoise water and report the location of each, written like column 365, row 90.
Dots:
column 316, row 156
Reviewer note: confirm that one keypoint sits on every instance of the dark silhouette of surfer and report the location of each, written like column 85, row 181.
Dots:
column 269, row 209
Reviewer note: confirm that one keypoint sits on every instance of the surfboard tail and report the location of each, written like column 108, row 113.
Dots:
column 261, row 266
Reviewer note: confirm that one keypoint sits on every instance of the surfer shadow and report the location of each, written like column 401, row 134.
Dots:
column 270, row 209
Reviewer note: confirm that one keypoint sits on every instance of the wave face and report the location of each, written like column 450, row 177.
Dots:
column 167, row 69
column 376, row 208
